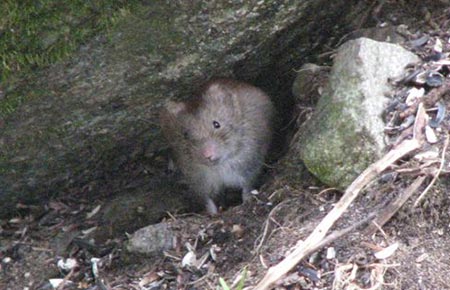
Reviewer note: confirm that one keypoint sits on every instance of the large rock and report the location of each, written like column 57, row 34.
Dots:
column 346, row 131
column 89, row 127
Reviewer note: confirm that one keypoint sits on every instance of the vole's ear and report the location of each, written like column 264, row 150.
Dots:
column 175, row 108
column 219, row 91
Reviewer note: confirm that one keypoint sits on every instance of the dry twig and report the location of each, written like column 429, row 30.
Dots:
column 387, row 212
column 63, row 283
column 304, row 248
column 337, row 234
column 267, row 226
column 436, row 175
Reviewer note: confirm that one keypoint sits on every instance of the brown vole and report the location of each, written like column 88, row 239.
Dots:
column 220, row 138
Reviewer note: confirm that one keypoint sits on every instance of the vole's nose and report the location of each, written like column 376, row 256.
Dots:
column 209, row 151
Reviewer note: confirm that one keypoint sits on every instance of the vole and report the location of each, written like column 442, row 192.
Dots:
column 220, row 137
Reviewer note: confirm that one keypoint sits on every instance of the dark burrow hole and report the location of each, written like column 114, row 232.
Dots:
column 277, row 82
column 283, row 57
column 273, row 69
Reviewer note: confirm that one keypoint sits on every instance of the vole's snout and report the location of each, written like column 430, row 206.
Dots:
column 210, row 151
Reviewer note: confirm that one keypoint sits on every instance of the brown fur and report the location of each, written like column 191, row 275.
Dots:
column 240, row 144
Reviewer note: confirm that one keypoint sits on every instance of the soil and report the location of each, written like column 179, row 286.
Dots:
column 254, row 236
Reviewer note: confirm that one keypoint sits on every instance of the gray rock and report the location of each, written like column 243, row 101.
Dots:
column 345, row 134
column 152, row 239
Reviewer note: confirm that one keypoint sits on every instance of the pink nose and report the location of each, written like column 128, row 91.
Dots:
column 209, row 151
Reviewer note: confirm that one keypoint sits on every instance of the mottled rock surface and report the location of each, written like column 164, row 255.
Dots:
column 345, row 133
column 87, row 128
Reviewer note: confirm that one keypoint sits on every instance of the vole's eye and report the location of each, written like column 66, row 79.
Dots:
column 185, row 134
column 216, row 125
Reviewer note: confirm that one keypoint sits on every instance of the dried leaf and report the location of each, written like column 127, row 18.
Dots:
column 386, row 252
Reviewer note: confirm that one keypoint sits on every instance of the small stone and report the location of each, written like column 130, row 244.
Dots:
column 152, row 239
column 67, row 264
column 238, row 231
column 331, row 253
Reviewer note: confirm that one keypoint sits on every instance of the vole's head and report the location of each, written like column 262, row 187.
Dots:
column 206, row 128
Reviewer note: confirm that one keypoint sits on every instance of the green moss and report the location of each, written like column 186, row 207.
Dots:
column 15, row 98
column 336, row 153
column 34, row 34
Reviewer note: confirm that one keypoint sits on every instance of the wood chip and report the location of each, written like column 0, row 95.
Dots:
column 386, row 252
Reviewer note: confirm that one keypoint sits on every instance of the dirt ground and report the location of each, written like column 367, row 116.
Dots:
column 36, row 244
column 252, row 236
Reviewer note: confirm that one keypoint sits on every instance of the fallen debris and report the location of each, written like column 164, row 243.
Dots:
column 304, row 248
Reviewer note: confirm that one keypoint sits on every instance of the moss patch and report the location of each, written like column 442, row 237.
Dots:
column 37, row 33
column 337, row 144
column 34, row 34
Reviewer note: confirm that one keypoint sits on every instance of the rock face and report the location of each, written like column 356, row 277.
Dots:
column 345, row 134
column 88, row 127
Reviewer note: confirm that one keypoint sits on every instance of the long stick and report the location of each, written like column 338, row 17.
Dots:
column 407, row 146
